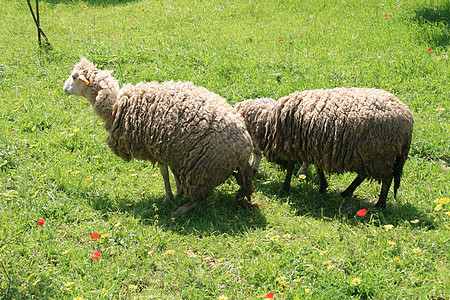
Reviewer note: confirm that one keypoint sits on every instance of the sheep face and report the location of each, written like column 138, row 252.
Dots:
column 76, row 84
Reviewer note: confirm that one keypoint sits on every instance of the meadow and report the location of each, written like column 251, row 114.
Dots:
column 76, row 222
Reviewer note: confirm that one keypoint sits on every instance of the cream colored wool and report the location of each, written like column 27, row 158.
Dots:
column 177, row 124
column 366, row 131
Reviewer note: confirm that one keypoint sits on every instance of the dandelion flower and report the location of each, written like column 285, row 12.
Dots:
column 302, row 176
column 326, row 263
column 397, row 259
column 447, row 213
column 356, row 281
column 331, row 267
column 323, row 253
column 307, row 291
column 132, row 286
column 69, row 284
column 391, row 243
column 439, row 207
column 223, row 298
column 169, row 252
column 297, row 280
column 77, row 298
column 416, row 250
column 388, row 227
column 414, row 221
column 445, row 200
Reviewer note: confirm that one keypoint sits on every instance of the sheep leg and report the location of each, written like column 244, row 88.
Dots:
column 185, row 208
column 352, row 187
column 303, row 169
column 385, row 185
column 165, row 174
column 323, row 181
column 287, row 182
column 179, row 184
column 256, row 160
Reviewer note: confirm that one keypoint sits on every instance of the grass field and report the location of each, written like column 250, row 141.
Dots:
column 56, row 166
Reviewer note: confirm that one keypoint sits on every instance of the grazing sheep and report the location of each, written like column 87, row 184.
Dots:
column 256, row 113
column 366, row 131
column 175, row 124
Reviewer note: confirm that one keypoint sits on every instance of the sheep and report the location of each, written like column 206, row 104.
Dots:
column 175, row 124
column 256, row 113
column 361, row 130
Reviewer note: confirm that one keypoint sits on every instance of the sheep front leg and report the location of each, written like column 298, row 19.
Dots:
column 352, row 187
column 287, row 182
column 165, row 174
column 323, row 181
column 385, row 185
column 179, row 184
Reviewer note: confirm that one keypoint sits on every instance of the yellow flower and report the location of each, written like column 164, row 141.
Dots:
column 391, row 243
column 287, row 236
column 356, row 281
column 414, row 221
column 132, row 286
column 439, row 207
column 77, row 298
column 274, row 238
column 302, row 176
column 325, row 263
column 66, row 252
column 445, row 200
column 331, row 267
column 397, row 259
column 416, row 250
column 223, row 298
column 447, row 213
column 69, row 284
column 169, row 252
column 297, row 280
column 323, row 253
column 307, row 291
column 388, row 227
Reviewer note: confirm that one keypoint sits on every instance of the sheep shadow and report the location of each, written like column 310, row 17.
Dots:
column 305, row 199
column 435, row 24
column 218, row 214
column 93, row 2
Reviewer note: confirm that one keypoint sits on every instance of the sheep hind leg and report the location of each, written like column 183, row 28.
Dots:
column 287, row 181
column 185, row 208
column 352, row 187
column 323, row 181
column 165, row 174
column 385, row 185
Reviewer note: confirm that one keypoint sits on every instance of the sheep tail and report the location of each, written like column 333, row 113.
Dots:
column 398, row 167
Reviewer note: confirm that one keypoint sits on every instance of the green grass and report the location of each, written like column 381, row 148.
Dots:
column 55, row 165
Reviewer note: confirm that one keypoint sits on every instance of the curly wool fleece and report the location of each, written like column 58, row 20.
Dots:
column 194, row 131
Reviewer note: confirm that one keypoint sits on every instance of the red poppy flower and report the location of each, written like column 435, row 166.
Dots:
column 95, row 236
column 279, row 40
column 385, row 16
column 143, row 9
column 40, row 222
column 83, row 7
column 429, row 50
column 270, row 295
column 96, row 255
column 362, row 212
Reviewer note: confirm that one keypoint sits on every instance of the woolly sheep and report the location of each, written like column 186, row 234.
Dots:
column 177, row 124
column 256, row 113
column 361, row 130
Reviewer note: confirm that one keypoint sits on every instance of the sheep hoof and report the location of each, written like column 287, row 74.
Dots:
column 346, row 194
column 168, row 199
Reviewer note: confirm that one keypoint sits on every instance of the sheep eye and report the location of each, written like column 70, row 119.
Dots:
column 75, row 76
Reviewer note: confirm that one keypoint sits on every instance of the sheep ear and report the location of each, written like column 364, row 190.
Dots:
column 82, row 78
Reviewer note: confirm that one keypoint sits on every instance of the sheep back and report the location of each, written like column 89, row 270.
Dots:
column 192, row 130
column 338, row 130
